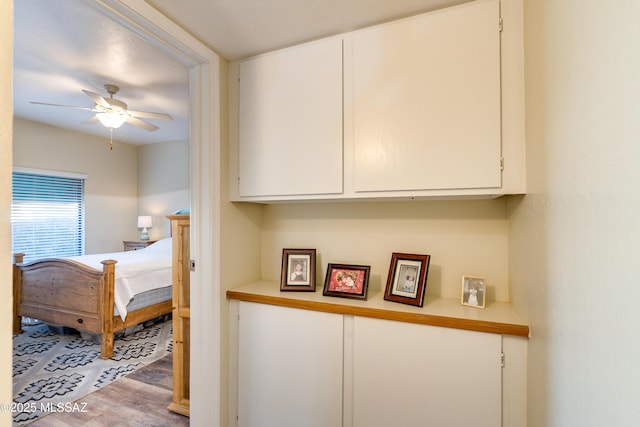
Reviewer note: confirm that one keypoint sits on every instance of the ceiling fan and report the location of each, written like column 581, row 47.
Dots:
column 112, row 113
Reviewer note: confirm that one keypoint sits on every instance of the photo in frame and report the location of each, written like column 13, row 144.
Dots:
column 407, row 279
column 473, row 291
column 347, row 281
column 298, row 270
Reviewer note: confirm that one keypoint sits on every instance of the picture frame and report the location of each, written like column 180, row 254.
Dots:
column 407, row 279
column 347, row 281
column 474, row 291
column 298, row 270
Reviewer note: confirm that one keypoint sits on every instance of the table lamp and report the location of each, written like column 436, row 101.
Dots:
column 144, row 222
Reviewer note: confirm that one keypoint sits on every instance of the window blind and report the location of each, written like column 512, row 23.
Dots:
column 47, row 215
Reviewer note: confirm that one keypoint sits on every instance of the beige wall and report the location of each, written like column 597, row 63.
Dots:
column 462, row 237
column 240, row 245
column 574, row 257
column 6, row 126
column 111, row 185
column 129, row 181
column 163, row 183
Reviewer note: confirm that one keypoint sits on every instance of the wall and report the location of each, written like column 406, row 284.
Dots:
column 131, row 180
column 111, row 186
column 163, row 183
column 462, row 237
column 574, row 258
column 6, row 129
column 240, row 243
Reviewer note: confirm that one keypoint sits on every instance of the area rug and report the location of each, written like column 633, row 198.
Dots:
column 53, row 368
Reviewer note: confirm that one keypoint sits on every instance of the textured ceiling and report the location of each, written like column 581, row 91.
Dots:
column 240, row 28
column 64, row 46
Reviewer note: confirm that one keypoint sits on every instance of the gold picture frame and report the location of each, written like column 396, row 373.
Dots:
column 474, row 291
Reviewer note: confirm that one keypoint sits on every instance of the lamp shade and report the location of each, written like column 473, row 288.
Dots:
column 144, row 221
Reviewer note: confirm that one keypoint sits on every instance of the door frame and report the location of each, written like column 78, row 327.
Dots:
column 204, row 155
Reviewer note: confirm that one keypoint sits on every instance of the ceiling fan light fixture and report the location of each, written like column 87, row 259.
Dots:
column 112, row 119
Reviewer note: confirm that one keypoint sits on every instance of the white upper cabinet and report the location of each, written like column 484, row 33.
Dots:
column 290, row 113
column 426, row 101
column 427, row 106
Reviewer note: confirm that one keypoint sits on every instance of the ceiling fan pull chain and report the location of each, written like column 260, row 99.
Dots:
column 111, row 139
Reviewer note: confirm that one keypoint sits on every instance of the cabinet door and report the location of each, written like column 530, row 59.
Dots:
column 291, row 121
column 426, row 101
column 416, row 375
column 290, row 367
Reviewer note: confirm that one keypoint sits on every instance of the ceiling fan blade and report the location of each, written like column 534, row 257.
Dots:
column 92, row 119
column 65, row 106
column 98, row 99
column 150, row 115
column 141, row 123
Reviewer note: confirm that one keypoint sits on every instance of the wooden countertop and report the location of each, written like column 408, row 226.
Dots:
column 497, row 317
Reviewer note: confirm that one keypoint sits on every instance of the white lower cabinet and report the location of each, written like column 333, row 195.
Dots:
column 415, row 375
column 290, row 367
column 308, row 368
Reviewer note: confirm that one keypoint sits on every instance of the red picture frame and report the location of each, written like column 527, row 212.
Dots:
column 347, row 281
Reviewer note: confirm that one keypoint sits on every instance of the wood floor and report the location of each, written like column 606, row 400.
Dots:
column 139, row 399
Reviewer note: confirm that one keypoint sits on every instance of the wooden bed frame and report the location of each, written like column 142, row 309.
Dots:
column 68, row 293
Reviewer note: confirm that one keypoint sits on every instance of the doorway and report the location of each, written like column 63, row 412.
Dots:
column 204, row 148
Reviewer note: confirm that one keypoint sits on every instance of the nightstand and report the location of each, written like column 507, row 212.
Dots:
column 134, row 245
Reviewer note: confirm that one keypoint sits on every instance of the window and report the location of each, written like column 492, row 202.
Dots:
column 47, row 214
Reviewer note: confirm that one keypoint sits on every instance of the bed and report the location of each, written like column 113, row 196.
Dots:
column 99, row 294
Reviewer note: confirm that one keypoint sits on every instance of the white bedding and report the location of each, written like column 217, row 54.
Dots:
column 136, row 271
